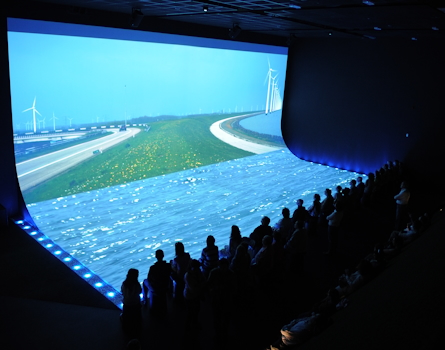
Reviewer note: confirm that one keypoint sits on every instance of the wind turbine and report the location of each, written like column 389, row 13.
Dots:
column 269, row 78
column 70, row 121
column 279, row 100
column 34, row 111
column 54, row 121
column 273, row 93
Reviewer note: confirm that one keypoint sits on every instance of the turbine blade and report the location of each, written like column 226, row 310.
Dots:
column 267, row 76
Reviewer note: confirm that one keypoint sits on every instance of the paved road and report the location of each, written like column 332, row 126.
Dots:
column 34, row 171
column 235, row 141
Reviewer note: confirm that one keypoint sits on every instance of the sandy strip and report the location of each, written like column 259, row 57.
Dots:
column 235, row 141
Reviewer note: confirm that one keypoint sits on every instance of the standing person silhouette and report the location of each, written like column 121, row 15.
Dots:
column 158, row 284
column 131, row 311
column 209, row 256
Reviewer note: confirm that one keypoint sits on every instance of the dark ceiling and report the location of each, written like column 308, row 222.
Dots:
column 280, row 19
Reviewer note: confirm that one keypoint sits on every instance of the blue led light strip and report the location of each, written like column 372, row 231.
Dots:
column 84, row 272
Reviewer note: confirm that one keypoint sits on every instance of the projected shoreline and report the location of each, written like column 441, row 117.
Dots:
column 245, row 142
column 164, row 147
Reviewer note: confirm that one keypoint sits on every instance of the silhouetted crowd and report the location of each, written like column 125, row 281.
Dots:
column 271, row 253
column 378, row 189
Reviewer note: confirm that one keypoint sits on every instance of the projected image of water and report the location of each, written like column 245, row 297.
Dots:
column 115, row 228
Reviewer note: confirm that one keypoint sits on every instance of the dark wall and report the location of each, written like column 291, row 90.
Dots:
column 9, row 189
column 357, row 103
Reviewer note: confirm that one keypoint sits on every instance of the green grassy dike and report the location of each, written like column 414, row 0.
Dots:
column 168, row 147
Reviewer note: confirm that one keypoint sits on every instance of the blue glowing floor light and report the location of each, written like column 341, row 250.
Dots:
column 84, row 272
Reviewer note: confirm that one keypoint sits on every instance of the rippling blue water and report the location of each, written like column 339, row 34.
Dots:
column 264, row 123
column 115, row 228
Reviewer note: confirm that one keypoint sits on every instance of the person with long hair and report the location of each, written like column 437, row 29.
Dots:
column 131, row 311
column 180, row 265
column 234, row 241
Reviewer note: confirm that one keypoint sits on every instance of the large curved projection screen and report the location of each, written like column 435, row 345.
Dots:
column 128, row 141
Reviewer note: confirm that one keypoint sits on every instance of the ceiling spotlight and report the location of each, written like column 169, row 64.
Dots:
column 205, row 8
column 136, row 17
column 234, row 31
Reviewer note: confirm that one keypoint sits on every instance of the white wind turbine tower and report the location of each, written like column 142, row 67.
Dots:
column 277, row 102
column 269, row 78
column 273, row 93
column 54, row 121
column 70, row 121
column 34, row 111
column 274, row 101
column 40, row 122
column 278, row 99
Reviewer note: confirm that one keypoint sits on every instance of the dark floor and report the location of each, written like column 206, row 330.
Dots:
column 47, row 306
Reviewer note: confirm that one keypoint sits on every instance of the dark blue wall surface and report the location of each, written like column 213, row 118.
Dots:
column 9, row 190
column 351, row 103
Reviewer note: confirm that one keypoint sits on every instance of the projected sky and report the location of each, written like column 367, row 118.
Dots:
column 97, row 80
